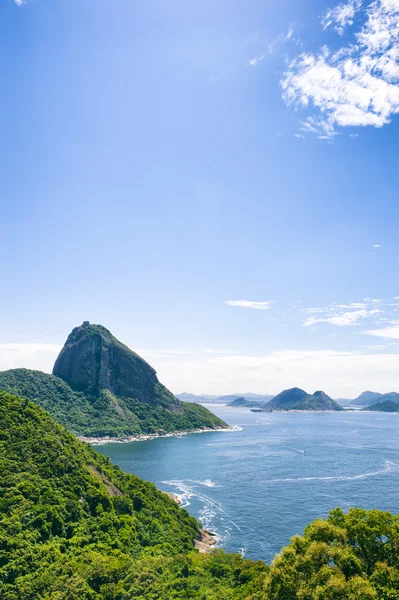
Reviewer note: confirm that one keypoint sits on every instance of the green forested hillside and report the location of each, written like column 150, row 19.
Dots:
column 73, row 526
column 105, row 414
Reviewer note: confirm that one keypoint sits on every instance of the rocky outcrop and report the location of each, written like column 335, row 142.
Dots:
column 204, row 541
column 92, row 360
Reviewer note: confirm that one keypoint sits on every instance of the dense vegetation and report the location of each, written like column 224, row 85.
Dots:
column 73, row 526
column 105, row 414
column 349, row 556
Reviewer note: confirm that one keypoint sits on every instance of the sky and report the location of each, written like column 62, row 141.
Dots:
column 214, row 182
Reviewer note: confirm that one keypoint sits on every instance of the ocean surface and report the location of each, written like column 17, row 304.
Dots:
column 260, row 484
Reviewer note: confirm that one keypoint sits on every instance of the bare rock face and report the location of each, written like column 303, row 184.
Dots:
column 92, row 360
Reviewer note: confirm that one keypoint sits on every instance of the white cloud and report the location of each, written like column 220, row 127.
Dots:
column 341, row 16
column 19, row 2
column 358, row 85
column 281, row 39
column 340, row 374
column 29, row 356
column 376, row 246
column 342, row 315
column 391, row 333
column 342, row 320
column 256, row 60
column 250, row 304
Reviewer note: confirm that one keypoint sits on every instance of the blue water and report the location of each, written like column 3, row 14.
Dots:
column 261, row 484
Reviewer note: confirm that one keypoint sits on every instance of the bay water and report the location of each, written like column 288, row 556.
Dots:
column 261, row 483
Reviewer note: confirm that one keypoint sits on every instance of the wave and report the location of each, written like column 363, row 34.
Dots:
column 389, row 466
column 208, row 483
column 210, row 513
column 232, row 428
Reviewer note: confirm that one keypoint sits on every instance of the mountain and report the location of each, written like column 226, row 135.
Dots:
column 389, row 397
column 239, row 402
column 364, row 399
column 73, row 526
column 318, row 401
column 286, row 399
column 100, row 387
column 243, row 402
column 369, row 398
column 297, row 399
column 384, row 406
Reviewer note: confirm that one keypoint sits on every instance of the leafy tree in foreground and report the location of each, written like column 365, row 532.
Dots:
column 348, row 556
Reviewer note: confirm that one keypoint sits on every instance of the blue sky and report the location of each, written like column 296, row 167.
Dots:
column 167, row 166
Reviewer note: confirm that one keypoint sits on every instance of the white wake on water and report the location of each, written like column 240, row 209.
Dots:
column 210, row 510
column 389, row 466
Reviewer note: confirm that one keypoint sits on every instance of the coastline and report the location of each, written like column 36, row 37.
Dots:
column 205, row 540
column 143, row 437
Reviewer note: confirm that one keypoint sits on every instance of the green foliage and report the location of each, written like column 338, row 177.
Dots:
column 73, row 526
column 348, row 556
column 104, row 415
column 216, row 576
column 58, row 497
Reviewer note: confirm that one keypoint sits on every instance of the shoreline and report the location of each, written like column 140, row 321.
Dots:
column 205, row 539
column 143, row 437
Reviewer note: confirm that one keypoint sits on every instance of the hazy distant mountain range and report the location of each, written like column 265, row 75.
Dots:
column 369, row 398
column 209, row 399
column 297, row 399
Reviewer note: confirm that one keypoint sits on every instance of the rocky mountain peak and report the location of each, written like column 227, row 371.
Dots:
column 92, row 360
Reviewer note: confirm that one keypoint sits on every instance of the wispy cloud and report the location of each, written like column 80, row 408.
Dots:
column 281, row 39
column 358, row 85
column 342, row 315
column 390, row 333
column 19, row 2
column 250, row 304
column 377, row 246
column 341, row 16
column 256, row 60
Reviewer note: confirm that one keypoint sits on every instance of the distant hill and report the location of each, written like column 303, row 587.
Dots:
column 243, row 402
column 369, row 398
column 364, row 399
column 100, row 387
column 297, row 399
column 384, row 406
